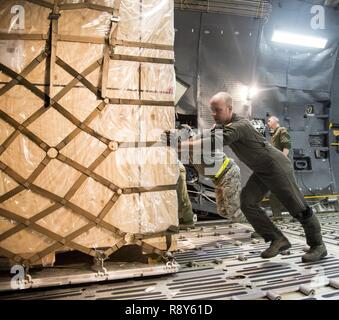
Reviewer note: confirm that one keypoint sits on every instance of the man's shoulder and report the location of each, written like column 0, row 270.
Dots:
column 236, row 117
column 237, row 120
column 282, row 130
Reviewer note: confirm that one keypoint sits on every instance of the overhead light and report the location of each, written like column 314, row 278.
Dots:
column 247, row 93
column 252, row 92
column 299, row 39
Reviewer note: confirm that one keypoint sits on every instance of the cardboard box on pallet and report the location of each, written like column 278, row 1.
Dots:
column 71, row 172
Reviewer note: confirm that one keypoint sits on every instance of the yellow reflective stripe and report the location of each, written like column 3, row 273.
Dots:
column 222, row 168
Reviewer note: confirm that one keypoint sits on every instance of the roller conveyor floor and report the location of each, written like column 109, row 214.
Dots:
column 215, row 260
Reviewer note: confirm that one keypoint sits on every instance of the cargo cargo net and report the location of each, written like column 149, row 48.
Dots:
column 27, row 224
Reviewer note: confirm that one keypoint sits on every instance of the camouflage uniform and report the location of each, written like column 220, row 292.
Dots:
column 281, row 139
column 227, row 193
column 227, row 185
column 185, row 212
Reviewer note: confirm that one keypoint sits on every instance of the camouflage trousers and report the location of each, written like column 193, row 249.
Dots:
column 227, row 192
column 185, row 212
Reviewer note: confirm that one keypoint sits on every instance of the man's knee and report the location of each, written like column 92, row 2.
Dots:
column 245, row 200
column 304, row 215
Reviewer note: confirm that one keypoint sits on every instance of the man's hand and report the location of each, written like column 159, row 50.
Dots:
column 216, row 126
column 185, row 132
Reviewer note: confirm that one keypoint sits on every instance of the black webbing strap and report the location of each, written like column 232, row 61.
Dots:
column 84, row 5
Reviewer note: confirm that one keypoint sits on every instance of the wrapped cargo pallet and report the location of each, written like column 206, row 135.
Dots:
column 87, row 88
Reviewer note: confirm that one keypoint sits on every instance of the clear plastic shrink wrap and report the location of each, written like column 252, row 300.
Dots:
column 58, row 166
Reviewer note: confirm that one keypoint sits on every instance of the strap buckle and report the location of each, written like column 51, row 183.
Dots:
column 54, row 16
column 115, row 19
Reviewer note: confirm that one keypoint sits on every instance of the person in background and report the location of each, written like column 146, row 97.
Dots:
column 185, row 212
column 211, row 162
column 223, row 171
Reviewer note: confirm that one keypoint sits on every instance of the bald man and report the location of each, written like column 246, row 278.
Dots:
column 272, row 171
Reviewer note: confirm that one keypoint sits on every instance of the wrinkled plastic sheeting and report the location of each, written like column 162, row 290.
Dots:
column 187, row 25
column 297, row 67
column 296, row 70
column 150, row 212
column 289, row 106
column 24, row 18
column 228, row 66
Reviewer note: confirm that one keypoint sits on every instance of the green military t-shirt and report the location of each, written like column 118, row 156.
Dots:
column 281, row 139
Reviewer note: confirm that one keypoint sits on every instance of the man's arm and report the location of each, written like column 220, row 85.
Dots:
column 231, row 133
column 190, row 143
column 285, row 152
column 228, row 134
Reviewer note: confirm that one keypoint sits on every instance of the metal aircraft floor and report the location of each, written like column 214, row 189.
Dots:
column 216, row 261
